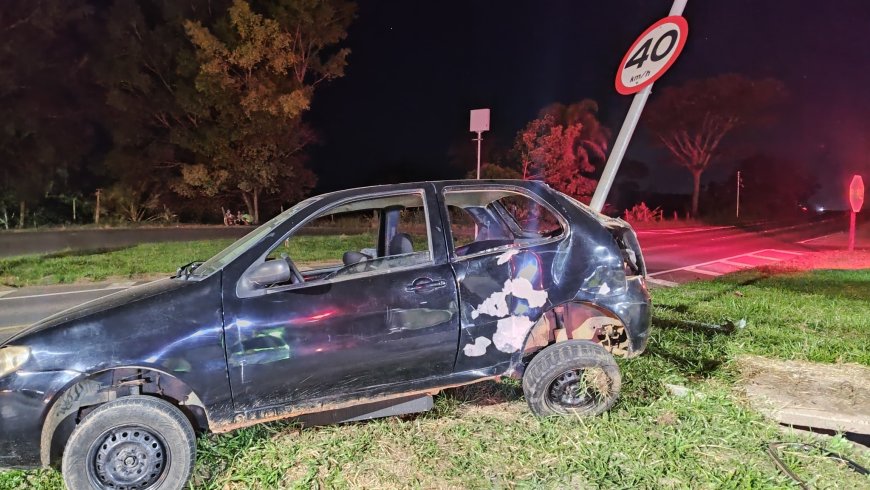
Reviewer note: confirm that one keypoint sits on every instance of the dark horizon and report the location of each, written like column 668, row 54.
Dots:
column 414, row 74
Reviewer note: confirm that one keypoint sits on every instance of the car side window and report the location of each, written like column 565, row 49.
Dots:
column 490, row 219
column 369, row 235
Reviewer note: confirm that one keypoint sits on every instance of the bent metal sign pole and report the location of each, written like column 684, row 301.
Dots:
column 856, row 200
column 645, row 62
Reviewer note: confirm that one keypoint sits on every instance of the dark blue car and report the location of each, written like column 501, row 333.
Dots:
column 351, row 305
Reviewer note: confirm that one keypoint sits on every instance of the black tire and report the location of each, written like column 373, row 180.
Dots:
column 145, row 440
column 574, row 377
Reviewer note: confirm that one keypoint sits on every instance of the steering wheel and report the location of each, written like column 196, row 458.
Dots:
column 295, row 275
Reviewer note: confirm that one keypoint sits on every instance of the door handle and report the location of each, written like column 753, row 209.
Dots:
column 424, row 284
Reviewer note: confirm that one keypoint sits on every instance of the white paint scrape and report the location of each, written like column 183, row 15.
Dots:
column 503, row 258
column 478, row 348
column 522, row 288
column 496, row 304
column 511, row 332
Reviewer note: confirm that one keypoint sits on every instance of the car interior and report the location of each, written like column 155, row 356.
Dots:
column 482, row 220
column 376, row 234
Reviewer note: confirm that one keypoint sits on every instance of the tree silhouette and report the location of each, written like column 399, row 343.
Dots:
column 691, row 120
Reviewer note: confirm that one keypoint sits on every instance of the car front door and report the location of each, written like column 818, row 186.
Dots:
column 379, row 323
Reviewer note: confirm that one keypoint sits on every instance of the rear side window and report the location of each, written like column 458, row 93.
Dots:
column 532, row 218
column 491, row 219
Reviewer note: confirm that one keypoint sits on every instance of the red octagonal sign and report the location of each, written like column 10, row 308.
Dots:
column 652, row 54
column 856, row 193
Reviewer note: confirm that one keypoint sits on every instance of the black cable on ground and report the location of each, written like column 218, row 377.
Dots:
column 773, row 452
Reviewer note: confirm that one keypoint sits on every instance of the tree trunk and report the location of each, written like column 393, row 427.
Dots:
column 22, row 209
column 256, row 214
column 248, row 204
column 696, row 193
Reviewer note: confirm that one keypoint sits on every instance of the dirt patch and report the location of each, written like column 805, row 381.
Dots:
column 829, row 396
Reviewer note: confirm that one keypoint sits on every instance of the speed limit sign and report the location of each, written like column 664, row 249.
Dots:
column 652, row 54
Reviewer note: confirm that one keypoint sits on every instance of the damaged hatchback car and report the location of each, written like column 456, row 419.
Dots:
column 351, row 305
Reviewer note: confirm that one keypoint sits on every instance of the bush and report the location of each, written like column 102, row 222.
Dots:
column 641, row 213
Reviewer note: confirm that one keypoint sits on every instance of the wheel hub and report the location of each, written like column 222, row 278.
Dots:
column 574, row 389
column 129, row 457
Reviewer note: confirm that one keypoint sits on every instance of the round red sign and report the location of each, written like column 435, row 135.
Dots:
column 652, row 54
column 856, row 193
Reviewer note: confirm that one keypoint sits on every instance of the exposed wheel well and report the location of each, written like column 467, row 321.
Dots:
column 577, row 321
column 80, row 398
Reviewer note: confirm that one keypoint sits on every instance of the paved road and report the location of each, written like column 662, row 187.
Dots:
column 673, row 256
column 680, row 255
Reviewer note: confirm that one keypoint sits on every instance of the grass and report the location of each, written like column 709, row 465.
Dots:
column 149, row 259
column 482, row 436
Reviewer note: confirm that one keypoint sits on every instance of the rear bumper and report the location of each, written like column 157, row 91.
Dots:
column 25, row 398
column 634, row 308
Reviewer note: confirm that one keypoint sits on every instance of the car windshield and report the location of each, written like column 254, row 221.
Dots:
column 230, row 253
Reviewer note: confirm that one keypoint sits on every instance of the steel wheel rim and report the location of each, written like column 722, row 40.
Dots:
column 572, row 389
column 127, row 458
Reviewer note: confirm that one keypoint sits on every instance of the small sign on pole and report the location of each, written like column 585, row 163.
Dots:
column 856, row 200
column 479, row 124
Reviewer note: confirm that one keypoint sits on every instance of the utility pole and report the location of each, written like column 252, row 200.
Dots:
column 97, row 208
column 739, row 185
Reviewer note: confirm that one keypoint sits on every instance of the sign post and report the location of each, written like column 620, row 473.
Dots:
column 856, row 200
column 644, row 63
column 479, row 124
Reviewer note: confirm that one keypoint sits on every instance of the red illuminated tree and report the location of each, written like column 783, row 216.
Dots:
column 691, row 120
column 563, row 147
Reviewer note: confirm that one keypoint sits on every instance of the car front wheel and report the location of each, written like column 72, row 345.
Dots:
column 574, row 377
column 133, row 442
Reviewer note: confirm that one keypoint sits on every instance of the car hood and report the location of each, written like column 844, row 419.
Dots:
column 114, row 300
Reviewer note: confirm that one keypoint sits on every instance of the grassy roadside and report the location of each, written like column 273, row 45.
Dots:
column 146, row 259
column 483, row 437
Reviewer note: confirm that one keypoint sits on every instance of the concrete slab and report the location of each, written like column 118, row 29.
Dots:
column 825, row 396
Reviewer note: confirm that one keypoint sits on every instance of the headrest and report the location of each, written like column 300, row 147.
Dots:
column 400, row 244
column 350, row 258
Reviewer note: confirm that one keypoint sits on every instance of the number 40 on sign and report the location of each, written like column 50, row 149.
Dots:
column 652, row 54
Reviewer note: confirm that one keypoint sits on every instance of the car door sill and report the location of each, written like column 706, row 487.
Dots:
column 428, row 386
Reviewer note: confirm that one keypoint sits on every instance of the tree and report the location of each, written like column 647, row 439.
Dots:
column 563, row 147
column 591, row 146
column 148, row 69
column 691, row 120
column 257, row 75
column 45, row 96
column 494, row 171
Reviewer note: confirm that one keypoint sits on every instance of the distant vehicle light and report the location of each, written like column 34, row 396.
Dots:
column 820, row 209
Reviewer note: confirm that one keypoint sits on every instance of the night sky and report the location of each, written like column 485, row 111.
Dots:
column 417, row 68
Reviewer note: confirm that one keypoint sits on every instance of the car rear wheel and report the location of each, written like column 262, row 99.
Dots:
column 135, row 442
column 575, row 377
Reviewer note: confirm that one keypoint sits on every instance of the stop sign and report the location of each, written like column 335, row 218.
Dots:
column 856, row 193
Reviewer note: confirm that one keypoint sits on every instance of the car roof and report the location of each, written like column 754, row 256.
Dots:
column 439, row 184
